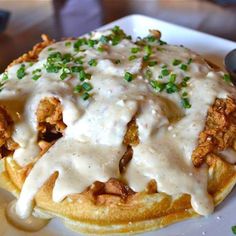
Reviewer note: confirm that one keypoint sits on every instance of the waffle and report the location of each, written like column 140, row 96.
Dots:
column 114, row 206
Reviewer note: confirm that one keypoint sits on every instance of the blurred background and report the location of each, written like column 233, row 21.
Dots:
column 23, row 21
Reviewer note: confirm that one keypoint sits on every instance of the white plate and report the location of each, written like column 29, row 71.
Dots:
column 214, row 49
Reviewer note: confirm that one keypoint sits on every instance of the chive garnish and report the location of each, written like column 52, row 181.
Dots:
column 185, row 103
column 85, row 96
column 165, row 72
column 176, row 62
column 172, row 78
column 150, row 38
column 189, row 61
column 5, row 76
column 152, row 63
column 78, row 88
column 91, row 43
column 82, row 75
column 50, row 49
column 36, row 71
column 146, row 58
column 36, row 77
column 157, row 85
column 171, row 87
column 78, row 60
column 76, row 69
column 148, row 49
column 67, row 44
column 135, row 50
column 52, row 68
column 87, row 86
column 100, row 49
column 132, row 57
column 21, row 72
column 183, row 67
column 104, row 39
column 226, row 77
column 63, row 75
column 128, row 76
column 93, row 62
column 233, row 228
column 162, row 42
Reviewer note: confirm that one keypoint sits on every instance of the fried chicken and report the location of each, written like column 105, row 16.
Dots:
column 219, row 132
column 7, row 145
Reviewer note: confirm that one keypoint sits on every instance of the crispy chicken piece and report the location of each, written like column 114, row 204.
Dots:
column 50, row 121
column 219, row 132
column 33, row 54
column 7, row 145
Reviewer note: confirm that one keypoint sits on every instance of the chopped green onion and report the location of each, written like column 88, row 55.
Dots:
column 76, row 69
column 79, row 43
column 233, row 228
column 189, row 61
column 85, row 96
column 171, row 87
column 52, row 68
column 87, row 86
column 36, row 71
column 176, row 62
column 146, row 58
column 104, row 39
column 93, row 62
column 88, row 76
column 128, row 77
column 50, row 49
column 68, row 44
column 160, row 76
column 152, row 63
column 184, row 94
column 116, row 29
column 92, row 42
column 162, row 42
column 82, row 75
column 36, row 77
column 165, row 72
column 226, row 77
column 172, row 78
column 135, row 50
column 63, row 75
column 78, row 88
column 21, row 72
column 5, row 76
column 148, row 49
column 150, row 38
column 183, row 67
column 157, row 85
column 186, row 78
column 1, row 86
column 100, row 49
column 55, row 56
column 132, row 57
column 78, row 60
column 185, row 103
column 67, row 58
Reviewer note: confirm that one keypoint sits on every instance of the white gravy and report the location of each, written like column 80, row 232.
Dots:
column 31, row 224
column 92, row 145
